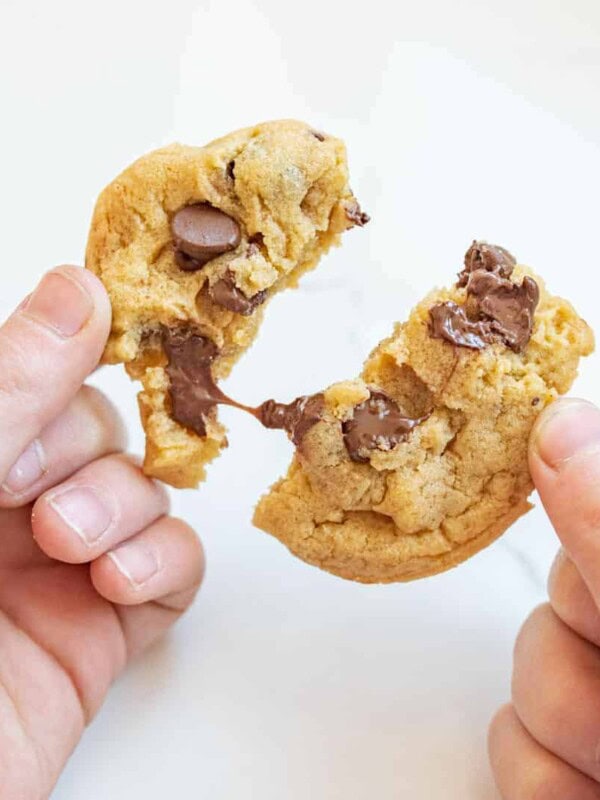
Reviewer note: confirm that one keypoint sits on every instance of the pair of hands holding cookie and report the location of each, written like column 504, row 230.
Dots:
column 93, row 569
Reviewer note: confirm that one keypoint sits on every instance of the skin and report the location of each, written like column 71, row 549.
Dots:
column 545, row 744
column 92, row 568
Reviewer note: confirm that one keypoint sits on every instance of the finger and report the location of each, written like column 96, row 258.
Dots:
column 100, row 506
column 555, row 690
column 524, row 770
column 565, row 465
column 47, row 348
column 152, row 579
column 571, row 599
column 164, row 562
column 87, row 429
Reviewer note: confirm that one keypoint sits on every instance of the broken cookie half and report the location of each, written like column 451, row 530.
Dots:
column 191, row 243
column 422, row 461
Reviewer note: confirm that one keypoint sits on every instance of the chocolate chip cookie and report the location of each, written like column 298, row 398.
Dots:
column 191, row 243
column 422, row 461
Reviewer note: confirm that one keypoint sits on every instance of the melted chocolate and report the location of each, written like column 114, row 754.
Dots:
column 296, row 418
column 508, row 306
column 225, row 293
column 257, row 241
column 377, row 424
column 488, row 257
column 192, row 389
column 497, row 310
column 187, row 263
column 356, row 215
column 450, row 322
column 194, row 392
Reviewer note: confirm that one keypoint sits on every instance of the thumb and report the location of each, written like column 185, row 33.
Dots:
column 48, row 347
column 564, row 461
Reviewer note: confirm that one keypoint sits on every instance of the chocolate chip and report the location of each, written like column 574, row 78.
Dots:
column 203, row 232
column 536, row 401
column 297, row 417
column 229, row 170
column 449, row 321
column 355, row 215
column 254, row 244
column 497, row 310
column 488, row 257
column 225, row 293
column 318, row 135
column 508, row 306
column 187, row 263
column 376, row 424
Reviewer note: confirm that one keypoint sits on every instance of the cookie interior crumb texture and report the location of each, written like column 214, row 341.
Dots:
column 454, row 482
column 199, row 239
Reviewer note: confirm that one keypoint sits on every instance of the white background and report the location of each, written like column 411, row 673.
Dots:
column 472, row 118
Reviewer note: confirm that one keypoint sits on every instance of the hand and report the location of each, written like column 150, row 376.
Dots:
column 546, row 743
column 91, row 568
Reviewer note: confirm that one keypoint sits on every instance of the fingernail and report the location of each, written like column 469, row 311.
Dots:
column 569, row 428
column 27, row 469
column 136, row 562
column 84, row 511
column 61, row 303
